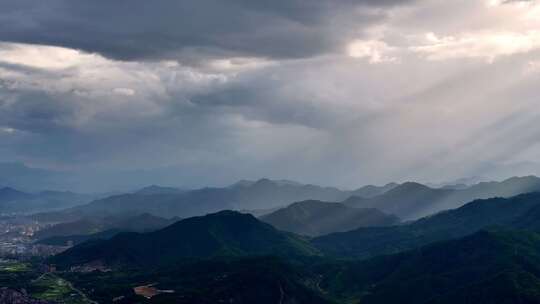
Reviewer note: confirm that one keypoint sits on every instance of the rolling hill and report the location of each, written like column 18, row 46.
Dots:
column 316, row 218
column 225, row 233
column 486, row 267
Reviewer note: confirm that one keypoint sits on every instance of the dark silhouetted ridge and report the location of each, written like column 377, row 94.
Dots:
column 225, row 233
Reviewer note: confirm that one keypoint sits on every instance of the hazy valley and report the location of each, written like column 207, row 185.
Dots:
column 322, row 245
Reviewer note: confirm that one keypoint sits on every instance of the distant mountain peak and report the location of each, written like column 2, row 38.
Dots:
column 242, row 183
column 11, row 193
column 532, row 178
column 369, row 191
column 410, row 186
column 155, row 189
column 263, row 181
column 266, row 181
column 227, row 215
column 310, row 203
column 9, row 189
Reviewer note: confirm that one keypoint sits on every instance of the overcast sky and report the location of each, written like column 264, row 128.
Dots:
column 331, row 92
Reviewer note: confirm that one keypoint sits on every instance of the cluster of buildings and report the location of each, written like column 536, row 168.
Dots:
column 18, row 226
column 16, row 239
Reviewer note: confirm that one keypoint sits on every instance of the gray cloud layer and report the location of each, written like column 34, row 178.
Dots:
column 139, row 29
column 274, row 92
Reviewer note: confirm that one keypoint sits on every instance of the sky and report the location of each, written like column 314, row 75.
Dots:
column 339, row 93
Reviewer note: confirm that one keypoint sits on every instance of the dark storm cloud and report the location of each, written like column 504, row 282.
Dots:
column 329, row 119
column 169, row 29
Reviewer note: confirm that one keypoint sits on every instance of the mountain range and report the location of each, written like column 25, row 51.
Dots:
column 411, row 201
column 155, row 189
column 460, row 243
column 15, row 201
column 231, row 233
column 220, row 255
column 517, row 212
column 408, row 201
column 262, row 194
column 217, row 230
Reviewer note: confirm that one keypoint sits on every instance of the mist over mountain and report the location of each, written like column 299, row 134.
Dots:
column 20, row 176
column 370, row 191
column 490, row 266
column 15, row 201
column 154, row 189
column 411, row 200
column 316, row 218
column 83, row 230
column 463, row 182
column 139, row 223
column 514, row 212
column 407, row 201
column 262, row 194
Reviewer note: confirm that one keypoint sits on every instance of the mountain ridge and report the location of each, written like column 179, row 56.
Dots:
column 315, row 218
column 412, row 200
column 408, row 201
column 226, row 233
column 456, row 223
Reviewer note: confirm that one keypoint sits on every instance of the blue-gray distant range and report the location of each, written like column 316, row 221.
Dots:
column 407, row 201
